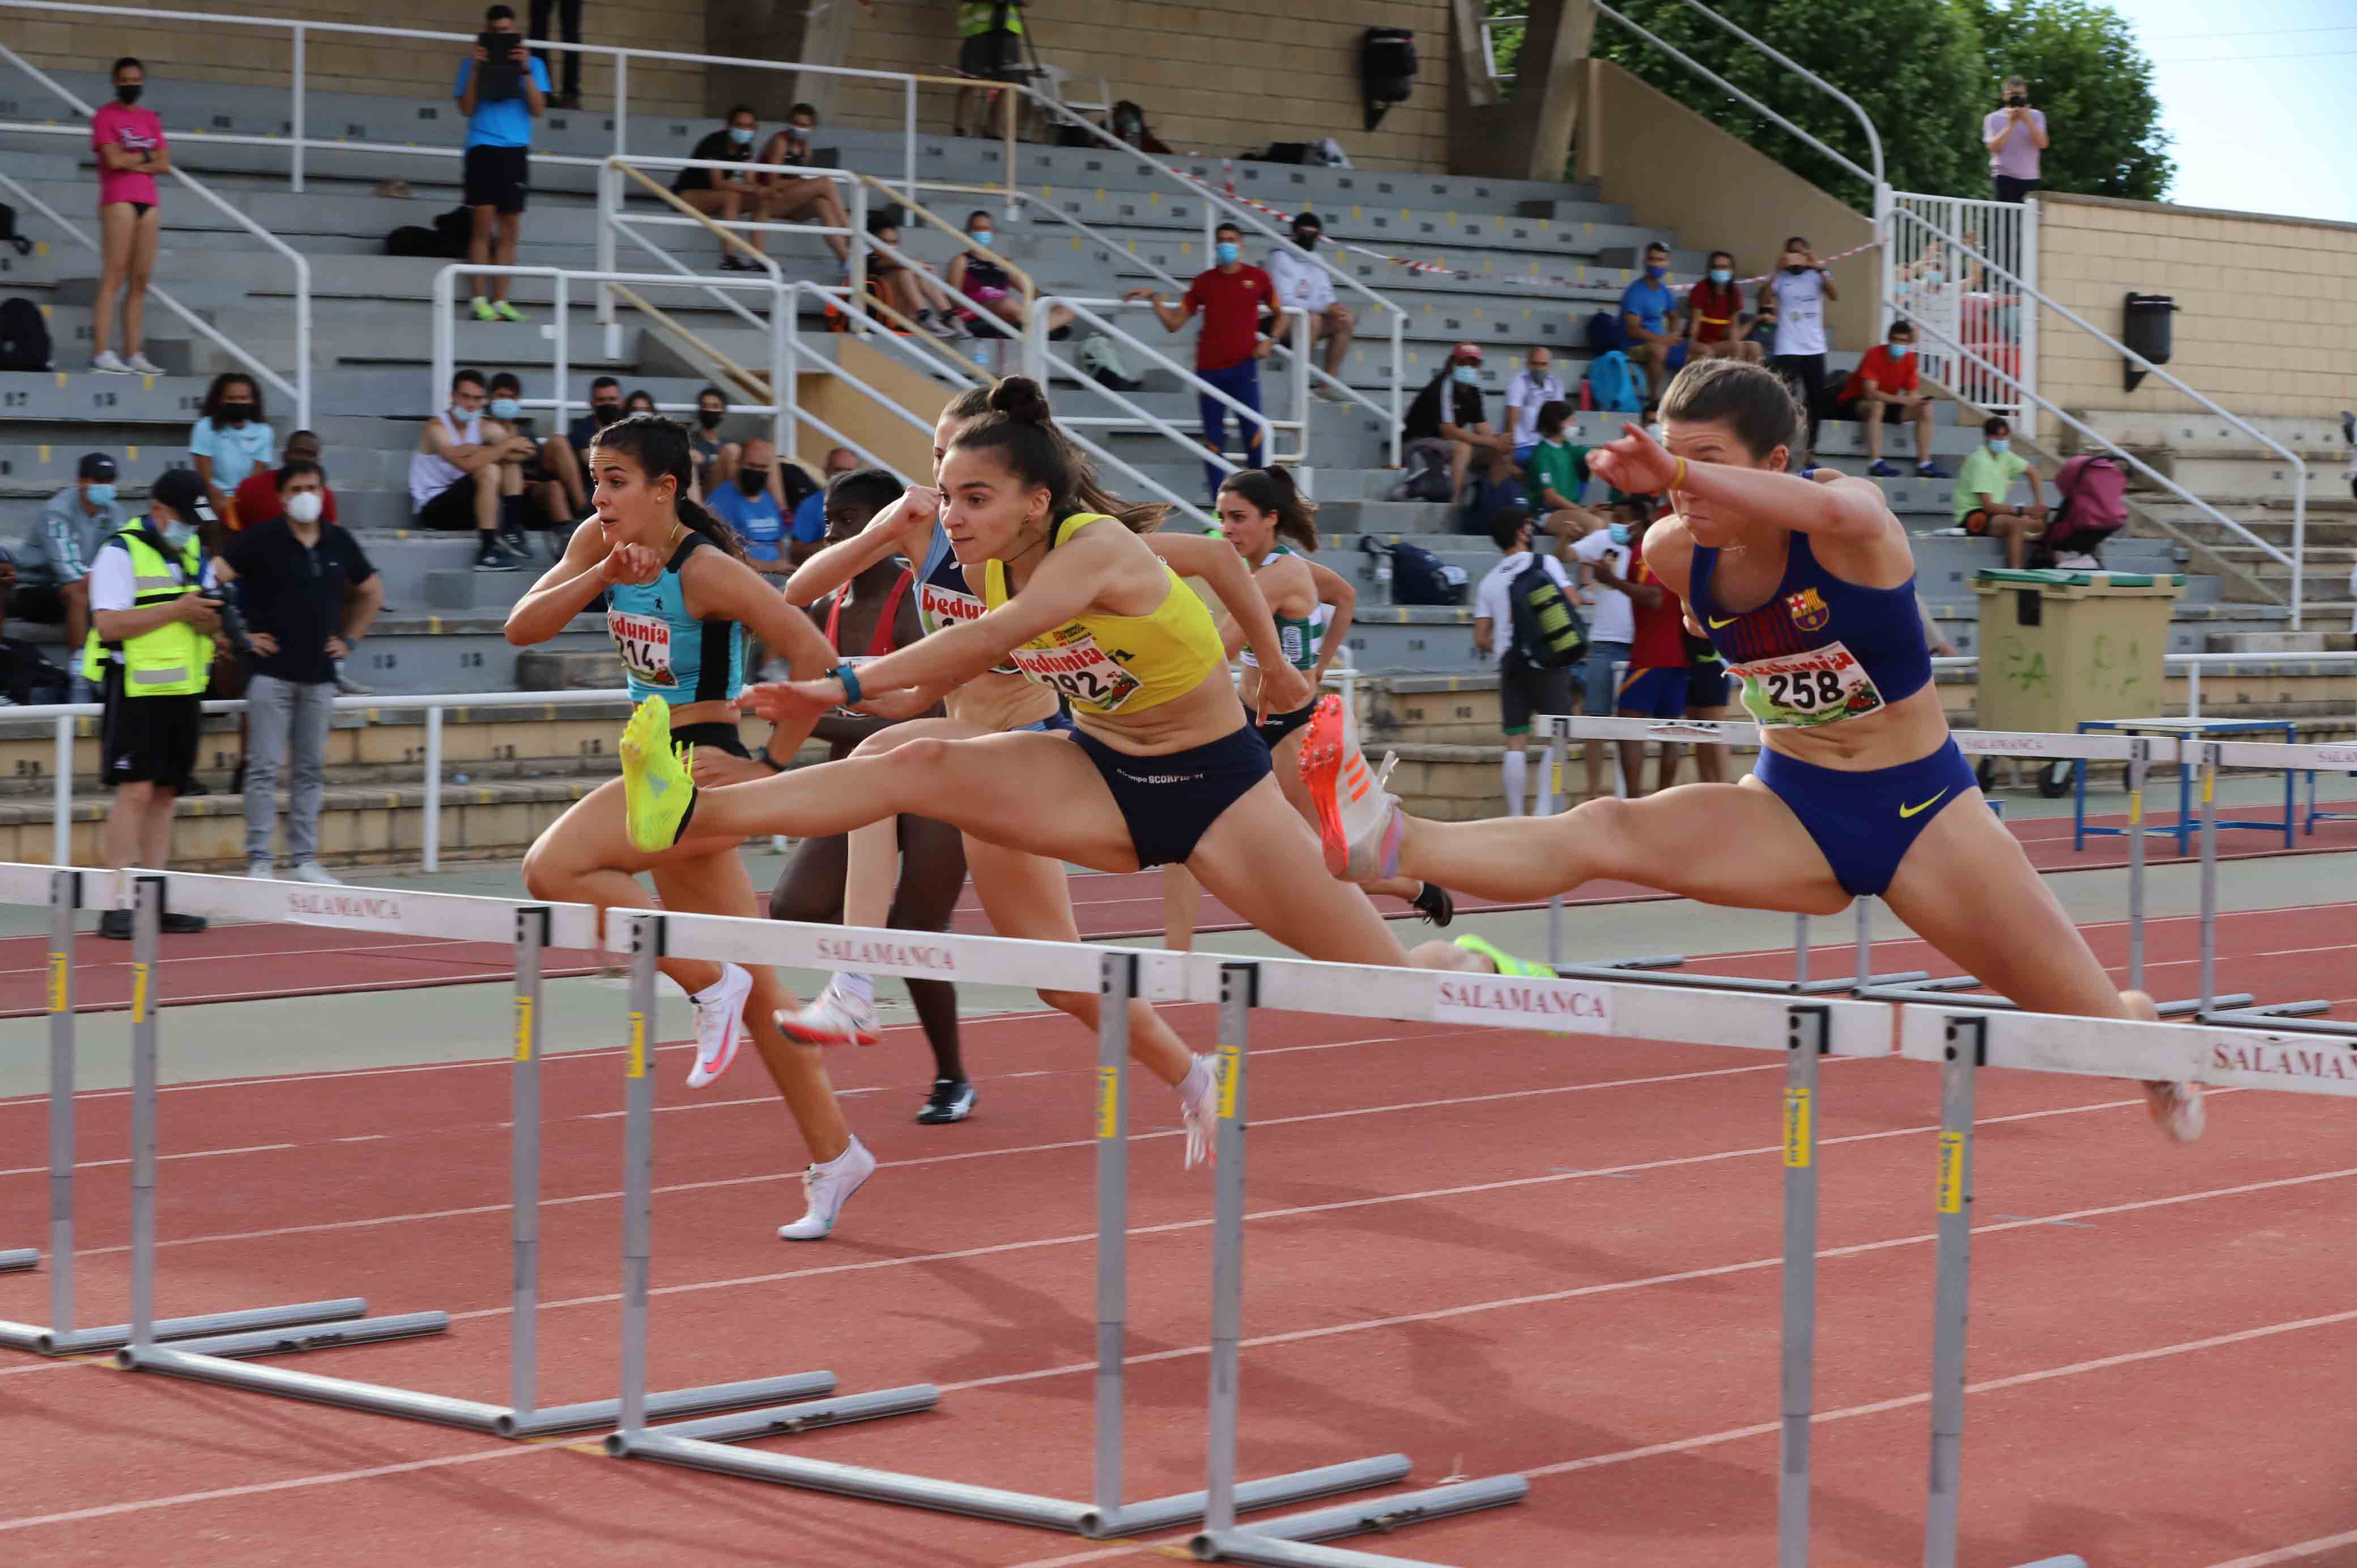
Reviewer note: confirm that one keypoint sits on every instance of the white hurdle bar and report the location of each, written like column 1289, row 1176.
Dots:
column 208, row 1349
column 1805, row 1029
column 64, row 893
column 1962, row 1043
column 1116, row 975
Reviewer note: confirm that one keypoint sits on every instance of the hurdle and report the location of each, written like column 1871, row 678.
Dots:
column 2239, row 1009
column 215, row 1356
column 1116, row 975
column 63, row 890
column 1965, row 1043
column 1805, row 1029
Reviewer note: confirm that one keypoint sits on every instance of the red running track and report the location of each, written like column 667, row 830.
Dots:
column 1491, row 1250
column 247, row 962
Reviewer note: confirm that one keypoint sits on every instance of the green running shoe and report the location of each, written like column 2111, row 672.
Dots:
column 1507, row 962
column 657, row 789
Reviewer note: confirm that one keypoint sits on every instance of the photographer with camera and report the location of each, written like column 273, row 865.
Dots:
column 2015, row 135
column 502, row 89
column 150, row 648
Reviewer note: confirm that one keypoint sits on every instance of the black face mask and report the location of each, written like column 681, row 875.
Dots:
column 710, row 418
column 604, row 414
column 1305, row 238
column 129, row 94
column 236, row 412
column 752, row 480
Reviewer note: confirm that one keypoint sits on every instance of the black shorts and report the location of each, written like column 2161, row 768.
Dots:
column 1170, row 801
column 453, row 509
column 1525, row 689
column 39, row 602
column 498, row 177
column 1706, row 685
column 990, row 54
column 1273, row 729
column 720, row 736
column 1850, row 408
column 148, row 740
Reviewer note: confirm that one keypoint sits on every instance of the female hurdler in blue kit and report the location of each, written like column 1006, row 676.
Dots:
column 1807, row 590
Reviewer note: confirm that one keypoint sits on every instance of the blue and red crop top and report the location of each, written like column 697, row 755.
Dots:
column 1820, row 650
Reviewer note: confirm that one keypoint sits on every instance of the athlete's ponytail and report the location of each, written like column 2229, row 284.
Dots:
column 1013, row 418
column 1272, row 491
column 659, row 446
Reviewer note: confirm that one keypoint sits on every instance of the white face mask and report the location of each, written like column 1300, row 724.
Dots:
column 305, row 506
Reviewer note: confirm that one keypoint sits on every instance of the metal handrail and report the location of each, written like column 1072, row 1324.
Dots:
column 1873, row 139
column 1081, row 309
column 2300, row 465
column 1692, row 64
column 154, row 291
column 301, row 391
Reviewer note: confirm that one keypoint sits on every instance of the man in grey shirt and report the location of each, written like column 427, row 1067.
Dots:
column 52, row 565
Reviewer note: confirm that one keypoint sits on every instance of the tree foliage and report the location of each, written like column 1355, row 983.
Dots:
column 1925, row 71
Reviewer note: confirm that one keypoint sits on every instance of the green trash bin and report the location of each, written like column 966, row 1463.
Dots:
column 2058, row 648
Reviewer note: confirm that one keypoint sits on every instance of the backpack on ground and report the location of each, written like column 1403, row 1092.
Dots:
column 1420, row 578
column 1547, row 633
column 2093, row 508
column 1612, row 382
column 1424, row 475
column 24, row 336
column 8, row 235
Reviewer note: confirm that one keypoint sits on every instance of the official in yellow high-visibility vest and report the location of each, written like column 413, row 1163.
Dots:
column 151, row 647
column 990, row 46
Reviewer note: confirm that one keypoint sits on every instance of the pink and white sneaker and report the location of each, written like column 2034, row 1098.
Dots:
column 841, row 1015
column 1359, row 821
column 719, row 1024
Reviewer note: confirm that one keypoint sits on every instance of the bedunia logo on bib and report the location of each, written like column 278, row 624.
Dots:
column 1509, row 1001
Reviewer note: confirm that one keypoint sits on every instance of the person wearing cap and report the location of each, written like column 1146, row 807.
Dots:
column 256, row 496
column 1308, row 287
column 1447, row 414
column 52, row 565
column 150, row 648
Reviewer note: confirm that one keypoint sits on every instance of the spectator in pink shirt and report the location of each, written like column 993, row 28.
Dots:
column 129, row 142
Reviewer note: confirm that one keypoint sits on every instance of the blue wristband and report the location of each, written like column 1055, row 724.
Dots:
column 850, row 679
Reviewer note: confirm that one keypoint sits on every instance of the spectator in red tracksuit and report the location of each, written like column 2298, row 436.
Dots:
column 1655, row 684
column 1231, row 297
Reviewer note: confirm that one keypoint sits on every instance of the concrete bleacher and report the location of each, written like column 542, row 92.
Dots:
column 1539, row 258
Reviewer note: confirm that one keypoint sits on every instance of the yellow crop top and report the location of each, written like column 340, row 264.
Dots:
column 1110, row 663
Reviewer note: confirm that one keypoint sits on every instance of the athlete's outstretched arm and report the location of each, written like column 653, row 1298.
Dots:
column 718, row 587
column 1846, row 508
column 1335, row 589
column 1216, row 562
column 587, row 570
column 906, row 530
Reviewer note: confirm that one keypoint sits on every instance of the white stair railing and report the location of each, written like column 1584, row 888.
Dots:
column 1923, row 283
column 1921, row 233
column 299, row 389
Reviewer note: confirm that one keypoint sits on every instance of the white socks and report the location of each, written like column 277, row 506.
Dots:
column 1516, row 765
column 1197, row 1083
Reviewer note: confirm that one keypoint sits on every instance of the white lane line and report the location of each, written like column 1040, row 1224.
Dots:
column 2316, row 1548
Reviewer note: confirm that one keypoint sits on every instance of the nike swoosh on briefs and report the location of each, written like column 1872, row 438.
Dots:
column 1716, row 623
column 1917, row 811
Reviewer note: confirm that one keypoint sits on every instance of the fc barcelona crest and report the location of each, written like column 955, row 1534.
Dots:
column 1808, row 611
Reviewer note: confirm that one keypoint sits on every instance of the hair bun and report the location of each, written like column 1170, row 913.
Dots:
column 1021, row 398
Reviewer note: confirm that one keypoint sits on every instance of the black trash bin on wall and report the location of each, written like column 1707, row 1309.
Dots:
column 2146, row 329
